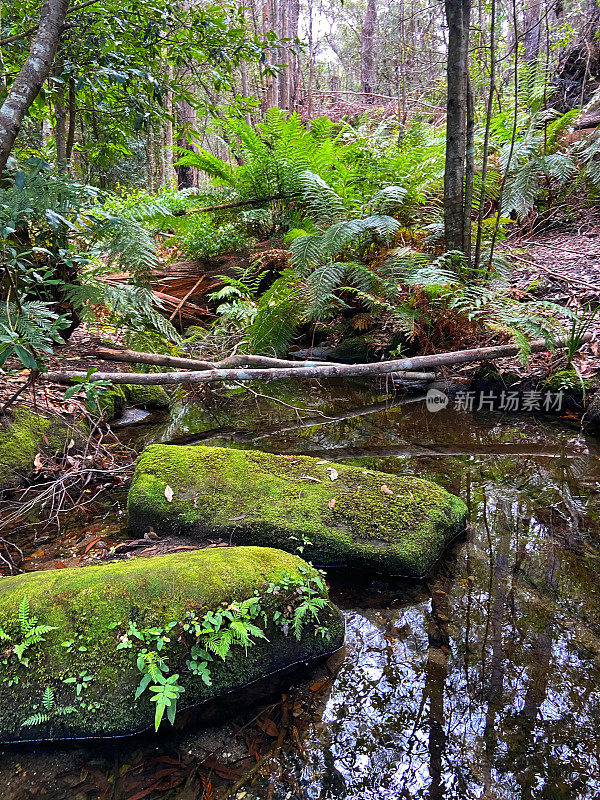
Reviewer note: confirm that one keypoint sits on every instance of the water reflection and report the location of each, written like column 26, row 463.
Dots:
column 491, row 689
column 483, row 682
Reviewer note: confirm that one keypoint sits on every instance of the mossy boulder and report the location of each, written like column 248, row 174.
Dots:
column 568, row 380
column 113, row 399
column 22, row 437
column 88, row 656
column 362, row 518
column 150, row 397
column 353, row 350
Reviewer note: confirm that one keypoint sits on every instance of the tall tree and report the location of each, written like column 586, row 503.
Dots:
column 458, row 16
column 36, row 68
column 367, row 50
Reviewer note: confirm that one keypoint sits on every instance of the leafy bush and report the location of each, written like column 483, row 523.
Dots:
column 204, row 240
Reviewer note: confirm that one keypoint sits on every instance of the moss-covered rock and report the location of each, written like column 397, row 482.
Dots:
column 88, row 655
column 567, row 380
column 22, row 437
column 353, row 350
column 151, row 397
column 113, row 399
column 396, row 524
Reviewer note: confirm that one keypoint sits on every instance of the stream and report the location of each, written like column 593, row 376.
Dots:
column 482, row 681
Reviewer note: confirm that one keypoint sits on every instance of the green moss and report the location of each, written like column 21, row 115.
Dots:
column 283, row 501
column 23, row 437
column 113, row 399
column 146, row 396
column 567, row 380
column 111, row 402
column 352, row 350
column 93, row 606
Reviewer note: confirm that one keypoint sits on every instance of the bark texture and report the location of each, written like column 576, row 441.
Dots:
column 458, row 15
column 320, row 371
column 367, row 52
column 32, row 75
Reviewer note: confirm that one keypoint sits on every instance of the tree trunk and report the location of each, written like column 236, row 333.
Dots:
column 458, row 13
column 187, row 119
column 532, row 35
column 293, row 67
column 60, row 120
column 72, row 124
column 26, row 86
column 367, row 51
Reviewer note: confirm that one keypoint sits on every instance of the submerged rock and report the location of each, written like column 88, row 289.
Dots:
column 22, row 437
column 115, row 398
column 334, row 516
column 76, row 644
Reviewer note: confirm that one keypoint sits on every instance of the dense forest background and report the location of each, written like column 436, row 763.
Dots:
column 362, row 163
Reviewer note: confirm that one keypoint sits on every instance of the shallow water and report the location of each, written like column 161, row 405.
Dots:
column 481, row 682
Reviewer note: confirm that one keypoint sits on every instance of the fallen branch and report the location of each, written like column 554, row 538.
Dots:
column 161, row 360
column 250, row 201
column 310, row 372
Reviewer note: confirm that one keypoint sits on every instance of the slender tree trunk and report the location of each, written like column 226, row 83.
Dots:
column 26, row 86
column 72, row 124
column 367, row 51
column 150, row 159
column 486, row 138
column 458, row 13
column 311, row 60
column 187, row 119
column 171, row 173
column 60, row 123
column 532, row 34
column 293, row 67
column 284, row 55
column 469, row 171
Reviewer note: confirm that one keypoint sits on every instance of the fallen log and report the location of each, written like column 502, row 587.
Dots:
column 250, row 201
column 162, row 360
column 310, row 372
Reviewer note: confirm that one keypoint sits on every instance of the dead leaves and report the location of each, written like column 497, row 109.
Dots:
column 386, row 490
column 268, row 726
column 169, row 494
column 331, row 503
column 333, row 473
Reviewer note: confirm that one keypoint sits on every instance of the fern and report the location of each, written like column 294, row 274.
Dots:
column 279, row 312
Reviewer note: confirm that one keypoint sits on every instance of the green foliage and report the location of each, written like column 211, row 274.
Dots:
column 271, row 156
column 58, row 244
column 50, row 710
column 305, row 604
column 30, row 633
column 92, row 389
column 539, row 167
column 278, row 314
column 450, row 286
column 28, row 330
column 580, row 325
column 165, row 696
column 203, row 239
column 215, row 634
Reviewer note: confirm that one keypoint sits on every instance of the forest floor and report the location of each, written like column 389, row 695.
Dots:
column 564, row 260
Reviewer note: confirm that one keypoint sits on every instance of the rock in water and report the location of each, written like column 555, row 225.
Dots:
column 361, row 518
column 77, row 645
